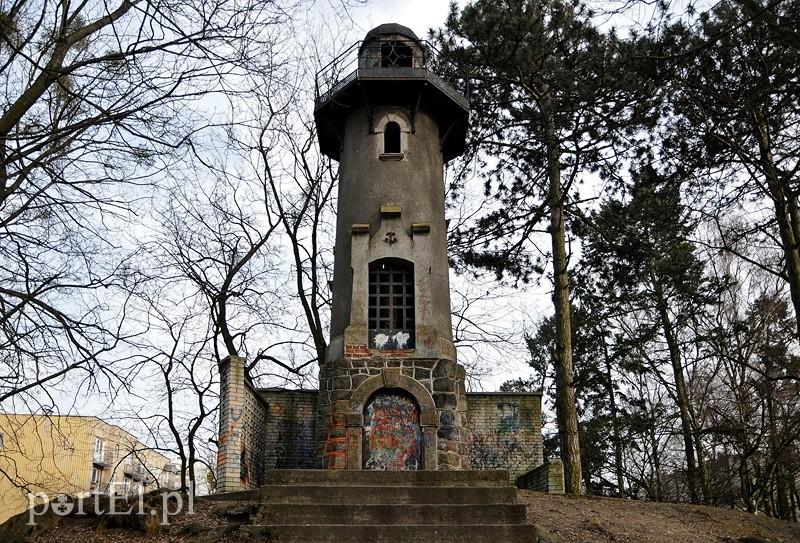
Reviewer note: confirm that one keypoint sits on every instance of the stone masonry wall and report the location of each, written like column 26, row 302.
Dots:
column 290, row 431
column 444, row 379
column 505, row 431
column 242, row 424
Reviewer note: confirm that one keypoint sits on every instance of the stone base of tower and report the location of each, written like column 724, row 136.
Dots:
column 272, row 428
column 435, row 386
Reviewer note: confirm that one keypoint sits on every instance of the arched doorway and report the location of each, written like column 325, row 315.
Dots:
column 391, row 380
column 393, row 439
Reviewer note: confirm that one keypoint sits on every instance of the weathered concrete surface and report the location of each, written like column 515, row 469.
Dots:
column 384, row 514
column 493, row 478
column 518, row 533
column 386, row 506
column 391, row 494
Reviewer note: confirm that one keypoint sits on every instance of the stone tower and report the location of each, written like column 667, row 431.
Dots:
column 391, row 391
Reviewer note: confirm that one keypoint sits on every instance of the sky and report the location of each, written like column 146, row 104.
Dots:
column 418, row 15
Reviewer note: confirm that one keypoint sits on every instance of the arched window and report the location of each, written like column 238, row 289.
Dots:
column 391, row 304
column 396, row 54
column 391, row 137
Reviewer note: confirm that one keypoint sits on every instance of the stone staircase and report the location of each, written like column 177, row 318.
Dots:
column 386, row 507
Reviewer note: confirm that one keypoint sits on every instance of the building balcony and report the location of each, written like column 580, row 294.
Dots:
column 103, row 459
column 391, row 66
column 135, row 470
column 391, row 59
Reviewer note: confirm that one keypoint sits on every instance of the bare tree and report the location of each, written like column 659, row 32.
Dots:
column 100, row 102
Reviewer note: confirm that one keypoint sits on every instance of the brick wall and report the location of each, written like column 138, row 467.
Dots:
column 242, row 424
column 505, row 431
column 549, row 477
column 276, row 428
column 290, row 432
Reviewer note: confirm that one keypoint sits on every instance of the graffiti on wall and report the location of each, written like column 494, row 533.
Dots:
column 392, row 433
column 509, row 417
column 501, row 442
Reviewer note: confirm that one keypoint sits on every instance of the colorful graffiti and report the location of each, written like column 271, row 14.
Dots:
column 392, row 434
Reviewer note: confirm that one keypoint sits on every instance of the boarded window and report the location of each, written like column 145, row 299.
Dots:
column 391, row 304
column 392, row 433
column 391, row 138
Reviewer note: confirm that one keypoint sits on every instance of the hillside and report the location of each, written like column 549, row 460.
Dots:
column 604, row 520
column 571, row 520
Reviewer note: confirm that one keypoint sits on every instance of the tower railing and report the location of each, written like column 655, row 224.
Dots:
column 391, row 58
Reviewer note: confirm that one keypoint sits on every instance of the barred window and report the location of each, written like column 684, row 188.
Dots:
column 391, row 304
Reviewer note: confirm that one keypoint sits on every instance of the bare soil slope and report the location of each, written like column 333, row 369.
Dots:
column 604, row 520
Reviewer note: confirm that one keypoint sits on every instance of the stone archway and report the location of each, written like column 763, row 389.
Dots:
column 391, row 378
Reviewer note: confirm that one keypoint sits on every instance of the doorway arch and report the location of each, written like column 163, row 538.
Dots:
column 392, row 433
column 391, row 379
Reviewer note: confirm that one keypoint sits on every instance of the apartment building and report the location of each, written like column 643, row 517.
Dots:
column 73, row 455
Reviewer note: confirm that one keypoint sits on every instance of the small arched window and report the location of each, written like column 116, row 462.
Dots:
column 391, row 138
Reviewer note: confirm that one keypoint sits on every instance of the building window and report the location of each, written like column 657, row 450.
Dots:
column 99, row 449
column 391, row 304
column 396, row 54
column 96, row 476
column 391, row 138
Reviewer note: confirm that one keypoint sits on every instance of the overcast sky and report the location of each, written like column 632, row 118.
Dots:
column 418, row 15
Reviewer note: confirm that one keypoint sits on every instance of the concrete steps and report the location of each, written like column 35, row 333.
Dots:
column 389, row 507
column 361, row 514
column 493, row 478
column 342, row 533
column 390, row 494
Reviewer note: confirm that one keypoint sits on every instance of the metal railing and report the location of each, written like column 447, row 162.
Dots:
column 384, row 57
column 135, row 469
column 103, row 458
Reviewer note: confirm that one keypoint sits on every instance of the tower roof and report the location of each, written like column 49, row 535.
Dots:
column 391, row 28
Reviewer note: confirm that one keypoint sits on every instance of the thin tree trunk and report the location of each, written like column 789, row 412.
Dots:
column 702, row 472
column 781, row 497
column 565, row 388
column 651, row 431
column 682, row 396
column 612, row 400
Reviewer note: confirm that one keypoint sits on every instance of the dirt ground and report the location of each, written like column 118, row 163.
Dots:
column 574, row 520
column 604, row 520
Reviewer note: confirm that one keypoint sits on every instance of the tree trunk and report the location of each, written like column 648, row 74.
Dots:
column 612, row 401
column 786, row 213
column 565, row 388
column 702, row 472
column 651, row 432
column 681, row 393
column 781, row 496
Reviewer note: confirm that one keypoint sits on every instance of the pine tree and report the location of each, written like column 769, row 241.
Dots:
column 729, row 96
column 547, row 99
column 640, row 251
